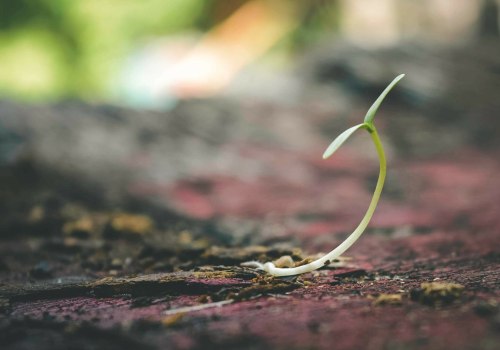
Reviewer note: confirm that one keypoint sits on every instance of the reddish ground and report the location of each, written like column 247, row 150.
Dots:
column 139, row 246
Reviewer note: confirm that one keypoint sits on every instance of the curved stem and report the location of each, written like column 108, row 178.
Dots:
column 349, row 241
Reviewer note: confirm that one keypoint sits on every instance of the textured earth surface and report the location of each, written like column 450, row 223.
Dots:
column 125, row 229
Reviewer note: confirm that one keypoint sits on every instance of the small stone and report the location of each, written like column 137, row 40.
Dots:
column 81, row 228
column 36, row 214
column 437, row 293
column 138, row 224
column 204, row 299
column 172, row 320
column 304, row 262
column 388, row 299
column 284, row 261
column 116, row 263
column 185, row 237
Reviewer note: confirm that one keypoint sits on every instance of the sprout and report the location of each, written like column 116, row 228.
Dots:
column 349, row 241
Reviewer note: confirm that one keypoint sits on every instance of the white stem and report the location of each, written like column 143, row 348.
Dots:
column 349, row 241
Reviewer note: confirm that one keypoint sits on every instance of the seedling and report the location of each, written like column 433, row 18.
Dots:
column 353, row 237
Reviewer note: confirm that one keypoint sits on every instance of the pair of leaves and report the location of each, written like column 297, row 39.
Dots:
column 367, row 124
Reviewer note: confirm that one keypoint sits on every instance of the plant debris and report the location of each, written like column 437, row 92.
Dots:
column 139, row 224
column 388, row 299
column 437, row 293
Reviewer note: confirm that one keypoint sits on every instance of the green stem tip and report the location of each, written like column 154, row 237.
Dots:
column 373, row 109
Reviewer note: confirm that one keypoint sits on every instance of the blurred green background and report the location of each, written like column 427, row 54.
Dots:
column 52, row 49
column 59, row 49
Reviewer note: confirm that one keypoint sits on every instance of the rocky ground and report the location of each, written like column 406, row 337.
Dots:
column 126, row 229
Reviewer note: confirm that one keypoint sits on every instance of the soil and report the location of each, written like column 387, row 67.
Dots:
column 125, row 229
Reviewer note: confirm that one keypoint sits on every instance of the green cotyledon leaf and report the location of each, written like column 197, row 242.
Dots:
column 373, row 109
column 335, row 145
